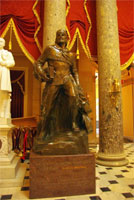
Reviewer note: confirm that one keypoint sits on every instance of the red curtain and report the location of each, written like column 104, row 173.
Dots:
column 78, row 23
column 25, row 18
column 92, row 40
column 81, row 16
column 126, row 31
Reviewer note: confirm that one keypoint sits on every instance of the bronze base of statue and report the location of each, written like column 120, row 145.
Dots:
column 61, row 175
column 64, row 143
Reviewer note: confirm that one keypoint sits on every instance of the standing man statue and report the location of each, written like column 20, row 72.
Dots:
column 64, row 107
column 6, row 61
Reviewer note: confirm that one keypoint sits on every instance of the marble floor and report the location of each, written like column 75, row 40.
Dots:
column 112, row 183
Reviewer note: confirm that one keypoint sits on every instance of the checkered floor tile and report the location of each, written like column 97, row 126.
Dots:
column 112, row 183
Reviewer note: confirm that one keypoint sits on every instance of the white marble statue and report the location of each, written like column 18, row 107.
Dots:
column 6, row 61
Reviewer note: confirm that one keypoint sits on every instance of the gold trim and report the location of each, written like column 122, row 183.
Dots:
column 77, row 49
column 68, row 7
column 39, row 21
column 90, row 26
column 10, row 38
column 67, row 11
column 11, row 23
column 68, row 36
column 77, row 32
column 126, row 64
column 29, row 56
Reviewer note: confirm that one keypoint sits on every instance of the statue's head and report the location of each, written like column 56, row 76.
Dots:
column 61, row 36
column 2, row 43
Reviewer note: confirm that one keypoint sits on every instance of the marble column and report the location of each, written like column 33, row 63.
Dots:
column 54, row 19
column 111, row 152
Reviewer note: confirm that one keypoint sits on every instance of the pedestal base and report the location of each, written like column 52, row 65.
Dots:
column 114, row 160
column 17, row 181
column 5, row 121
column 11, row 170
column 65, row 175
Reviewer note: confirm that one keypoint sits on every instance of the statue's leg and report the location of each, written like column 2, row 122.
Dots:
column 4, row 104
column 73, row 103
column 47, row 105
column 1, row 104
column 8, row 105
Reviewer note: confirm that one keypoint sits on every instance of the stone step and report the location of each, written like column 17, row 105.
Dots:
column 9, row 171
column 7, row 160
column 17, row 181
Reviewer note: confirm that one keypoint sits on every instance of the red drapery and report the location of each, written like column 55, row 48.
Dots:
column 92, row 40
column 81, row 18
column 24, row 18
column 126, row 31
column 78, row 23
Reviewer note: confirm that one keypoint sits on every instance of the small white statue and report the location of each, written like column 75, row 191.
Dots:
column 6, row 61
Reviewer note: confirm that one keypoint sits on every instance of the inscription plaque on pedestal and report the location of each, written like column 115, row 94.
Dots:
column 61, row 175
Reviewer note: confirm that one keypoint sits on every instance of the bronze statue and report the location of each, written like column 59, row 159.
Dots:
column 64, row 108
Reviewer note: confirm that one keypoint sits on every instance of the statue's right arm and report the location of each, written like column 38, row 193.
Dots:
column 38, row 66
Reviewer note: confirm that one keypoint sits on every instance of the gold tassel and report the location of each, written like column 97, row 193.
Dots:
column 10, row 38
column 77, row 50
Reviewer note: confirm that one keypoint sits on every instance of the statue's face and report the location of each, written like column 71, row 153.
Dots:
column 61, row 36
column 2, row 43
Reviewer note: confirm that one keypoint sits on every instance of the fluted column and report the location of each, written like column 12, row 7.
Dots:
column 111, row 152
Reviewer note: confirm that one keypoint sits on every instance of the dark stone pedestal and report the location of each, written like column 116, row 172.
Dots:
column 61, row 175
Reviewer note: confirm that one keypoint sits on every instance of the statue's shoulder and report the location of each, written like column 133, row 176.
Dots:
column 6, row 54
column 49, row 48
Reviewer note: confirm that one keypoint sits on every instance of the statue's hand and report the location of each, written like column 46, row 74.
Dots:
column 42, row 78
column 45, row 78
column 41, row 74
column 3, row 63
column 46, row 75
